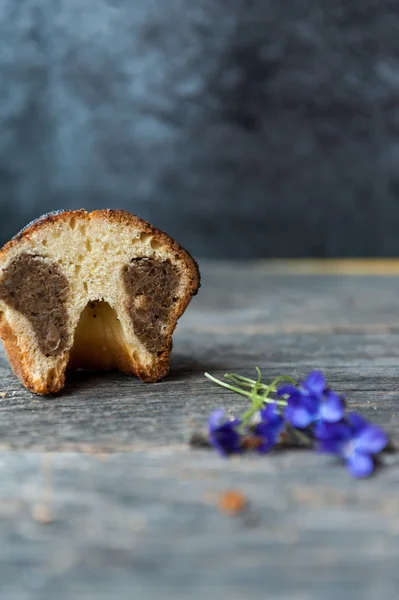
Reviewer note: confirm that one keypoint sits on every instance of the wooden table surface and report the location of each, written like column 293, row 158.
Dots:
column 102, row 497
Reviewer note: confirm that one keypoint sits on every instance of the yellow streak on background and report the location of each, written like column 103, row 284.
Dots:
column 378, row 267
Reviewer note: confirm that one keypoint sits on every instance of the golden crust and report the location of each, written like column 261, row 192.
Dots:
column 18, row 355
column 22, row 364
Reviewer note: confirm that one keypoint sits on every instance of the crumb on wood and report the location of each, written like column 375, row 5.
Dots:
column 232, row 502
column 43, row 514
column 3, row 394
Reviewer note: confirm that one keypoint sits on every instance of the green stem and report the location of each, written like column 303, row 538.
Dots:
column 285, row 378
column 228, row 386
column 258, row 393
column 241, row 380
column 238, row 382
column 246, row 417
column 256, row 385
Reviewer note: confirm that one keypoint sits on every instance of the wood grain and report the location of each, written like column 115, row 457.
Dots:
column 102, row 498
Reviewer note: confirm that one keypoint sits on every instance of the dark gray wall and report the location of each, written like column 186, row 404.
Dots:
column 243, row 128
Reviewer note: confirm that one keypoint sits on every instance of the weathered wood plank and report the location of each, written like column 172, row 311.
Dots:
column 252, row 300
column 134, row 511
column 114, row 410
column 146, row 524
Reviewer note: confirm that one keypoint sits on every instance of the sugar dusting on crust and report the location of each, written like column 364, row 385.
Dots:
column 52, row 213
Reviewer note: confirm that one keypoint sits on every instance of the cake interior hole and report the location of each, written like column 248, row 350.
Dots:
column 144, row 237
column 88, row 245
column 72, row 223
column 155, row 244
column 99, row 341
column 85, row 286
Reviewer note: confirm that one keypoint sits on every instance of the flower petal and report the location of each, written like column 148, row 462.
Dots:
column 270, row 414
column 312, row 405
column 225, row 440
column 371, row 440
column 298, row 416
column 315, row 382
column 216, row 418
column 332, row 409
column 330, row 446
column 288, row 390
column 222, row 433
column 340, row 431
column 360, row 465
column 357, row 422
column 268, row 435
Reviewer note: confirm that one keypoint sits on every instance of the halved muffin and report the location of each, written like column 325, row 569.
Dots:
column 100, row 290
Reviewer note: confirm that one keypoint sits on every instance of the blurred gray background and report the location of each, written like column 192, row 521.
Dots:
column 243, row 128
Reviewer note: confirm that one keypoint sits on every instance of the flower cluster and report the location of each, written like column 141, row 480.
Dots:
column 308, row 412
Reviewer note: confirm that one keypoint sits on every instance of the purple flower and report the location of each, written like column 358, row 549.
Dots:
column 223, row 433
column 355, row 440
column 312, row 402
column 268, row 429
